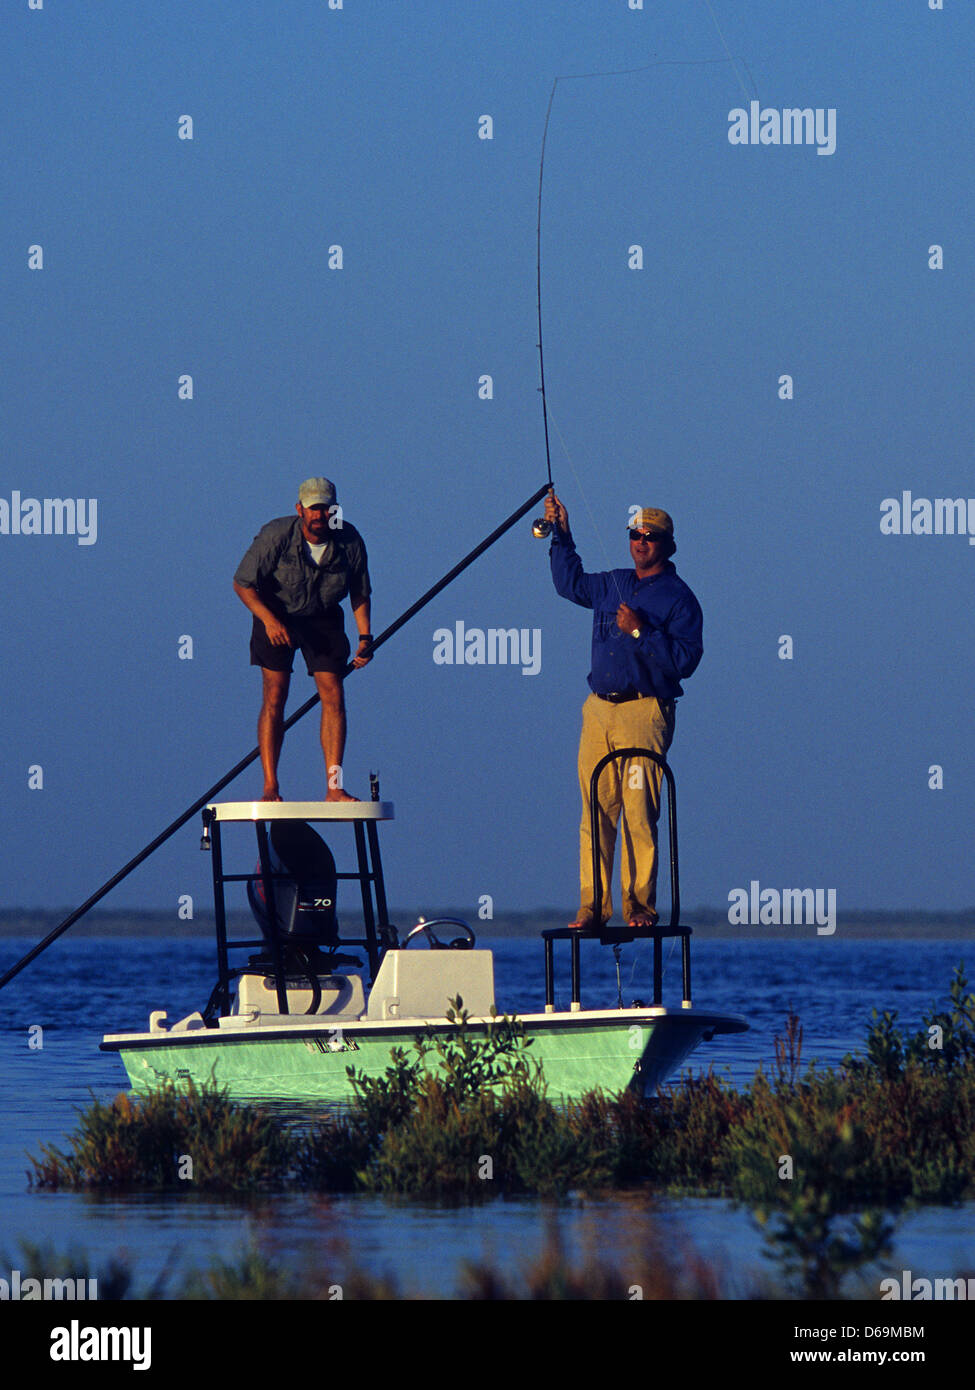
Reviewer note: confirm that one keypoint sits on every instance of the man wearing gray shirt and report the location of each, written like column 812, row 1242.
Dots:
column 293, row 579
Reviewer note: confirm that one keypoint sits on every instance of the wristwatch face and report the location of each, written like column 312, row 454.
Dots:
column 635, row 633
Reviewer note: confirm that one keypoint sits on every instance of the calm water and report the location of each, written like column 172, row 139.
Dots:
column 80, row 989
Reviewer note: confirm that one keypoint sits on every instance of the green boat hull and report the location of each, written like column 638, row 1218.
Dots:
column 628, row 1051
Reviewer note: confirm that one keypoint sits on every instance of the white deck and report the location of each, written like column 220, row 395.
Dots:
column 301, row 810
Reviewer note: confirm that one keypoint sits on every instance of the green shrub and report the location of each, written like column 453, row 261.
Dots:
column 173, row 1137
column 468, row 1118
column 946, row 1041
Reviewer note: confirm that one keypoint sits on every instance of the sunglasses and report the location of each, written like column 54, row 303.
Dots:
column 647, row 536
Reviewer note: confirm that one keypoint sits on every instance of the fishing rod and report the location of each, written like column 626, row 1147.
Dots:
column 541, row 528
column 255, row 753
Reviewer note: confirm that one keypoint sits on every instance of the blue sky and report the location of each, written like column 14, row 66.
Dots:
column 358, row 127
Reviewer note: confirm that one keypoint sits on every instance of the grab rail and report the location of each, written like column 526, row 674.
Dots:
column 615, row 935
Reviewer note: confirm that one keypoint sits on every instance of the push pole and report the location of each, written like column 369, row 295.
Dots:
column 255, row 753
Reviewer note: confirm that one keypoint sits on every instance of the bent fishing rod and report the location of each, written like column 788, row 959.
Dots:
column 541, row 528
column 255, row 753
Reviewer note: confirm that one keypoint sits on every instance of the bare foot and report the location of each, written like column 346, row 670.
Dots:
column 272, row 794
column 584, row 920
column 642, row 920
column 335, row 794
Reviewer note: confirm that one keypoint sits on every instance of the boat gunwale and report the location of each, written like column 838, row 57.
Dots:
column 543, row 1022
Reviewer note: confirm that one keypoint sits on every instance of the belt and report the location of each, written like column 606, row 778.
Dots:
column 620, row 697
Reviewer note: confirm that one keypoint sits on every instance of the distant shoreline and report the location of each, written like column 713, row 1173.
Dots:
column 708, row 923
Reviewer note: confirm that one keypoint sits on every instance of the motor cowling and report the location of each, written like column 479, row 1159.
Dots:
column 303, row 887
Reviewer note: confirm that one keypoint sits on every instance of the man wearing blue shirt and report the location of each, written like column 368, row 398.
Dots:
column 646, row 639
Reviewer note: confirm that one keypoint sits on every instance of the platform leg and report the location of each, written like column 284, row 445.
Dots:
column 368, row 915
column 220, row 917
column 264, row 853
column 379, row 888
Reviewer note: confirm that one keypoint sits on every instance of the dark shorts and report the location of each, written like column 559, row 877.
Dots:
column 322, row 641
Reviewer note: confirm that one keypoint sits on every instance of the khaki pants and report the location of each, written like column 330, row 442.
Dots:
column 632, row 787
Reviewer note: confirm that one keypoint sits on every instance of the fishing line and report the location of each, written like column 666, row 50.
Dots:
column 542, row 529
column 640, row 953
column 728, row 50
column 585, row 499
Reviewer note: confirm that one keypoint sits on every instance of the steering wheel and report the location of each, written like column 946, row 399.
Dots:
column 424, row 928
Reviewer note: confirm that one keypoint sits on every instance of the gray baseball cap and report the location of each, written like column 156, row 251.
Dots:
column 316, row 492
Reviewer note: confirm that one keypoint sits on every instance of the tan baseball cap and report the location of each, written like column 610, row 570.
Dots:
column 316, row 492
column 651, row 519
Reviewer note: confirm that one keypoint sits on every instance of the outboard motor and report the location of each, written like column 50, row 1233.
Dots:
column 304, row 899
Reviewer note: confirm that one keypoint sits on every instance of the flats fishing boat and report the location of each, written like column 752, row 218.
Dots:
column 288, row 1022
